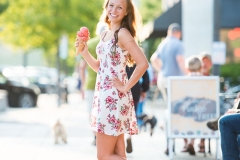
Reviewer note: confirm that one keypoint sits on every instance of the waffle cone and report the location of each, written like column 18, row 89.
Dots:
column 80, row 47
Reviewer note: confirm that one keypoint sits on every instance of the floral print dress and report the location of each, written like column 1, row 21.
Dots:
column 112, row 111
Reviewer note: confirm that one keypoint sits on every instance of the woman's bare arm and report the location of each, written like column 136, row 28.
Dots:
column 127, row 42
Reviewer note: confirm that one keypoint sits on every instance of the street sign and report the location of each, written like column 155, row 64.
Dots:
column 218, row 53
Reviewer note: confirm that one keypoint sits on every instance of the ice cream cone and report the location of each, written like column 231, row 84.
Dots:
column 83, row 36
column 80, row 46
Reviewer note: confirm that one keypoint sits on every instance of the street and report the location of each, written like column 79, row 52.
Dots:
column 26, row 134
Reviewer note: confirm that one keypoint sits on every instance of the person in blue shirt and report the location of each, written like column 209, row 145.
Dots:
column 168, row 60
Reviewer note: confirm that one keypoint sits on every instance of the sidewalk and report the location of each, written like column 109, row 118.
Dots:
column 26, row 134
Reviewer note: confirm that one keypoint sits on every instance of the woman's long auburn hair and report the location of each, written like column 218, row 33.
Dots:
column 132, row 21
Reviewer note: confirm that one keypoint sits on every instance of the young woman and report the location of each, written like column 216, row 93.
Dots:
column 113, row 108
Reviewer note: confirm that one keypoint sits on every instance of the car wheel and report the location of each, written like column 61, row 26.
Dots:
column 12, row 100
column 26, row 101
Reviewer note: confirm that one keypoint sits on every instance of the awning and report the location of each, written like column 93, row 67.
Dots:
column 172, row 15
column 229, row 18
column 230, row 13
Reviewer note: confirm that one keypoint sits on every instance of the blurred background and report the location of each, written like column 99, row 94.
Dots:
column 36, row 38
column 37, row 53
column 37, row 43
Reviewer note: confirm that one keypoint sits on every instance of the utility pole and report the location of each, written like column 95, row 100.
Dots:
column 216, row 31
column 59, row 78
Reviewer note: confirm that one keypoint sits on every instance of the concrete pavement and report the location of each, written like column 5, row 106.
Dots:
column 26, row 134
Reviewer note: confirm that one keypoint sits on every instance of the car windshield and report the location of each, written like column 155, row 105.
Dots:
column 38, row 75
column 18, row 80
column 38, row 79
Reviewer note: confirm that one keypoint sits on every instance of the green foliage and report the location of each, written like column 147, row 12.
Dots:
column 152, row 45
column 29, row 24
column 3, row 5
column 231, row 71
column 150, row 9
column 32, row 24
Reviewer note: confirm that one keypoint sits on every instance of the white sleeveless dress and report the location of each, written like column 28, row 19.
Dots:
column 112, row 111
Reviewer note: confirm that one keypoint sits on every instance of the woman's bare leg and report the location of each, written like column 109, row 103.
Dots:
column 106, row 147
column 120, row 146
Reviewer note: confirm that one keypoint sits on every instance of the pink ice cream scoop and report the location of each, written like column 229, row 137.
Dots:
column 84, row 34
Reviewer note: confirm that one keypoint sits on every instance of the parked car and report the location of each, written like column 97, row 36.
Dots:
column 40, row 77
column 21, row 93
column 45, row 78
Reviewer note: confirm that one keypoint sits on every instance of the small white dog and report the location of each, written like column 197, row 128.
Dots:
column 59, row 132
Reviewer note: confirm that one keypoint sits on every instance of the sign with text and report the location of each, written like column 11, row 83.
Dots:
column 192, row 102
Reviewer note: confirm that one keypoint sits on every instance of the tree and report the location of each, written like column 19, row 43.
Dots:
column 3, row 6
column 29, row 24
column 40, row 24
column 150, row 9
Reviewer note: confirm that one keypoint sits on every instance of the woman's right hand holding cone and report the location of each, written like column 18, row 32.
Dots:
column 81, row 46
column 81, row 39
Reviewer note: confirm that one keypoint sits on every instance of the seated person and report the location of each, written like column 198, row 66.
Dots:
column 193, row 64
column 229, row 129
